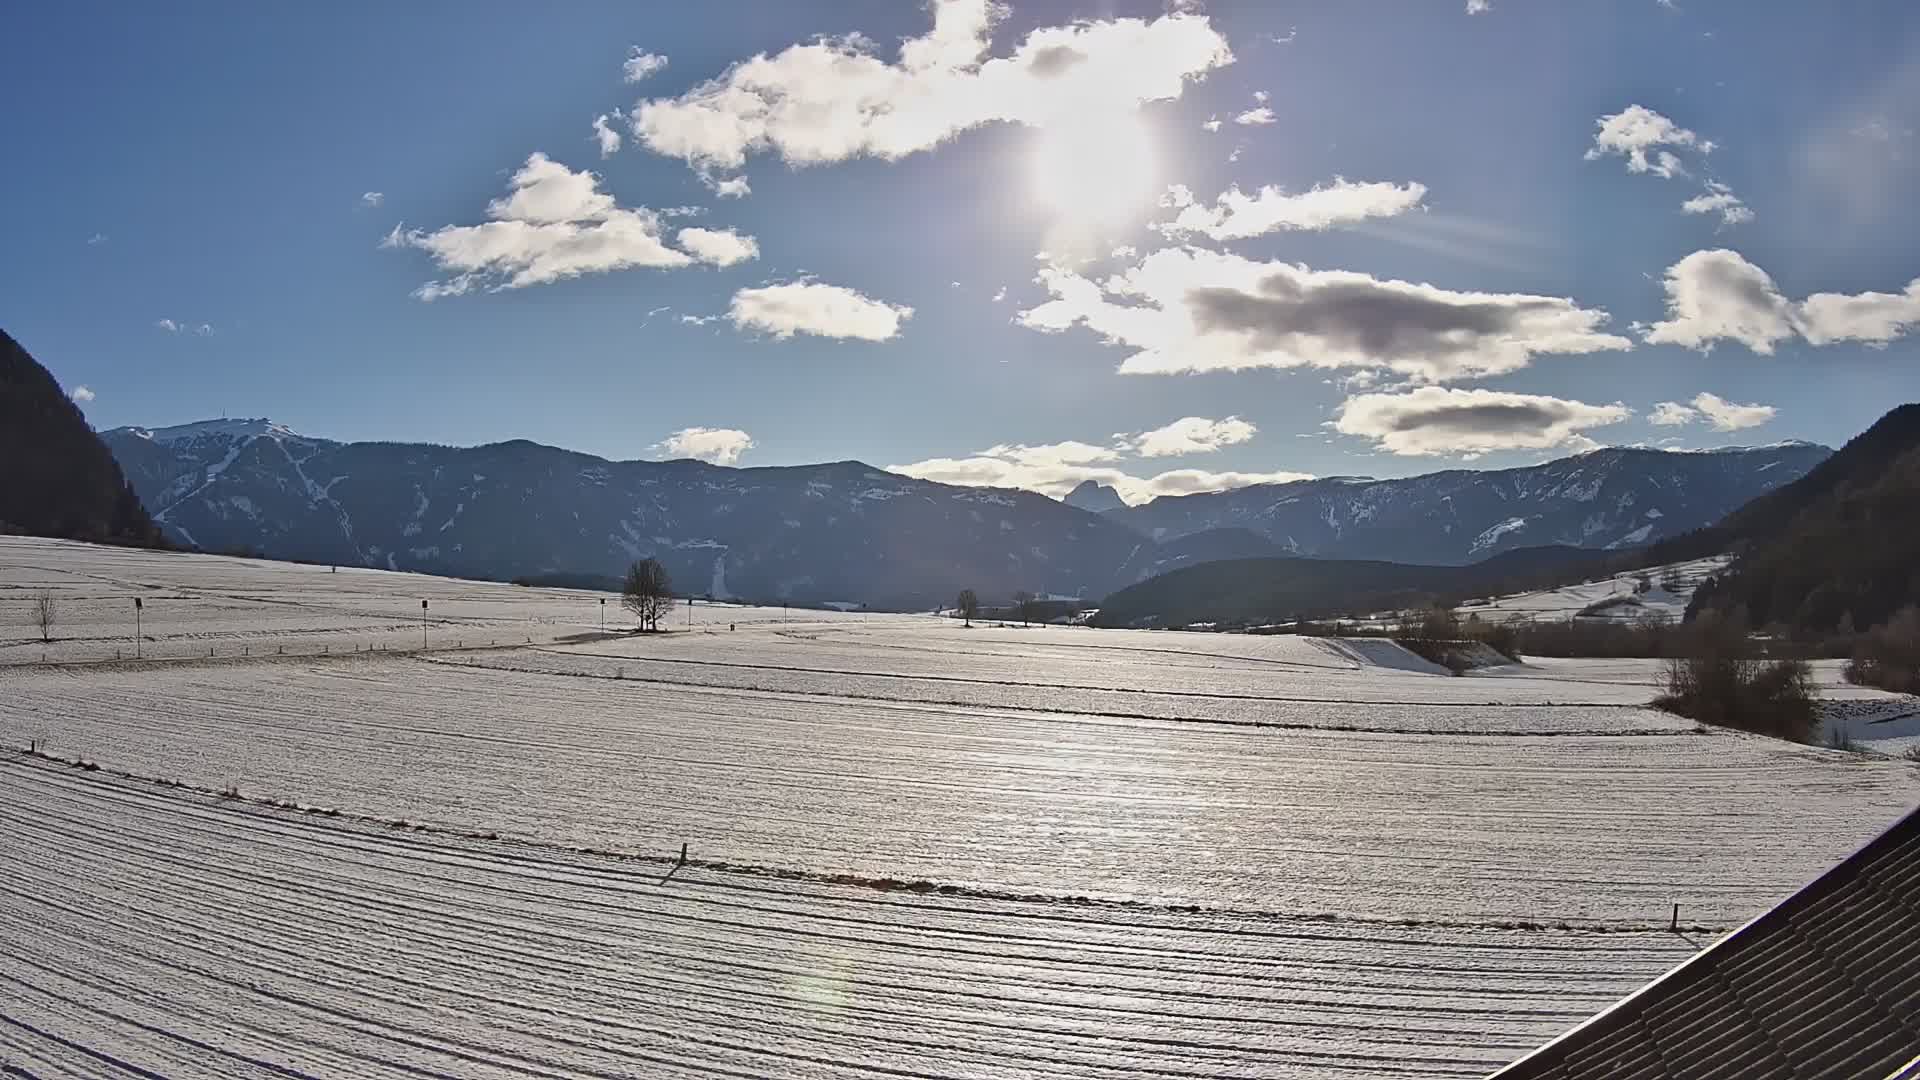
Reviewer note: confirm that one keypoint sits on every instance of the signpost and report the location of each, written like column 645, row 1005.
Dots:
column 603, row 614
column 423, row 626
column 136, row 628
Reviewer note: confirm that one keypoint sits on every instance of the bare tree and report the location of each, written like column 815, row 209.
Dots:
column 45, row 615
column 1023, row 603
column 968, row 605
column 648, row 592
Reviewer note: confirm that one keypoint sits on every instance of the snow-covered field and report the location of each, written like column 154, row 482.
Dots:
column 185, row 935
column 1672, row 588
column 917, row 849
column 202, row 605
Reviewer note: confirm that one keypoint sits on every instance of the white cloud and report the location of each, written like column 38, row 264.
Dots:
column 1070, row 452
column 1726, row 416
column 1479, row 7
column 1718, row 295
column 728, row 187
column 1262, row 97
column 1254, row 117
column 1236, row 215
column 1192, row 435
column 833, row 99
column 805, row 307
column 718, row 446
column 640, row 63
column 1635, row 131
column 96, row 239
column 1720, row 199
column 1193, row 481
column 605, row 135
column 1000, row 294
column 81, row 394
column 547, row 192
column 174, row 327
column 1057, row 468
column 1875, row 318
column 458, row 285
column 720, row 247
column 1212, row 124
column 1672, row 414
column 1190, row 310
column 555, row 224
column 372, row 198
column 1442, row 420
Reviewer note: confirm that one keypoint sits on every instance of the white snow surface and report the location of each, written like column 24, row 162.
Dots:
column 1569, row 601
column 1047, row 851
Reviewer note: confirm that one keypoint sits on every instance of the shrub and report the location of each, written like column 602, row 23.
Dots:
column 1432, row 624
column 1888, row 656
column 1642, row 638
column 1501, row 637
column 1717, row 677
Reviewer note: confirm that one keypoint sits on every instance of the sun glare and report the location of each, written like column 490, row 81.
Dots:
column 1095, row 171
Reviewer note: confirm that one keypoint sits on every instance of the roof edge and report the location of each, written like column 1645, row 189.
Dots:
column 1903, row 829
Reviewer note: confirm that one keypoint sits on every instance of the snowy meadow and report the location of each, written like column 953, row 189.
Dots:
column 318, row 830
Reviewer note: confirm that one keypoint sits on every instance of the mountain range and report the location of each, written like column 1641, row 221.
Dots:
column 846, row 532
column 1612, row 498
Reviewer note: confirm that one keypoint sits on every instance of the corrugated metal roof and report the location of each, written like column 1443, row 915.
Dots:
column 1826, row 985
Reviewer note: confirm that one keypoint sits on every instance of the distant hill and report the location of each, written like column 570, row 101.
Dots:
column 1840, row 542
column 1616, row 498
column 58, row 478
column 1262, row 590
column 1196, row 548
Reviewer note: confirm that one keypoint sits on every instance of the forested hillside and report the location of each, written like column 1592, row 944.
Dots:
column 56, row 477
column 1836, row 548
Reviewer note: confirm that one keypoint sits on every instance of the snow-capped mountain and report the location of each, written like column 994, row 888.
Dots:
column 1610, row 498
column 837, row 532
column 848, row 532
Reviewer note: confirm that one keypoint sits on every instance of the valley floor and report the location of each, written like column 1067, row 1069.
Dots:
column 915, row 849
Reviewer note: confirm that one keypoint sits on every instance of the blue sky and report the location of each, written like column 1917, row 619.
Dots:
column 1482, row 276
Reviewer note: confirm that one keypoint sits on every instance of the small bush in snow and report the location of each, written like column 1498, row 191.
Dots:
column 1717, row 677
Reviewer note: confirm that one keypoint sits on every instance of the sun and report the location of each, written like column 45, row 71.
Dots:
column 1095, row 170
